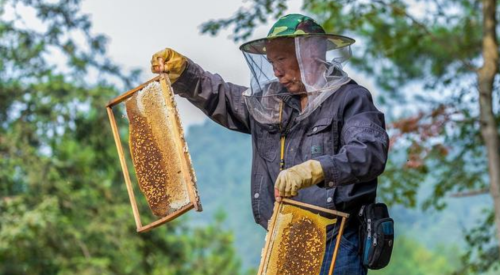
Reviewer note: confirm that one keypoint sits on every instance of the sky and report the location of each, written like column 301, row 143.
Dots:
column 138, row 29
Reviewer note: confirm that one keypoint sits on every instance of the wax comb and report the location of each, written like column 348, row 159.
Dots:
column 296, row 240
column 159, row 153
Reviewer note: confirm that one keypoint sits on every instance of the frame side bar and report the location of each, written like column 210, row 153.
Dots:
column 337, row 244
column 277, row 206
column 123, row 163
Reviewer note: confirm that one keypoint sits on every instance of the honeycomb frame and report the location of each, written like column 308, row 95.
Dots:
column 291, row 219
column 186, row 176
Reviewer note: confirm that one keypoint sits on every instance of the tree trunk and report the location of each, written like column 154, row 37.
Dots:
column 486, row 77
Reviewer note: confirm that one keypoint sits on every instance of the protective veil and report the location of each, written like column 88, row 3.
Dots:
column 318, row 57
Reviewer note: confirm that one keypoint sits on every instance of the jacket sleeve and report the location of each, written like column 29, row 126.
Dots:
column 365, row 143
column 221, row 101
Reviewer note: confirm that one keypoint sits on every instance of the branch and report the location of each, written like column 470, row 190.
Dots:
column 246, row 19
column 7, row 198
column 84, row 249
column 471, row 193
column 424, row 28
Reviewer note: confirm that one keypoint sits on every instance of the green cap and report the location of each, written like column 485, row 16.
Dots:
column 293, row 25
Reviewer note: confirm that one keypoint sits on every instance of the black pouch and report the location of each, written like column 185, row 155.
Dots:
column 376, row 236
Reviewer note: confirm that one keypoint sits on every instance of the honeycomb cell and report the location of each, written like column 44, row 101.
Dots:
column 155, row 151
column 296, row 243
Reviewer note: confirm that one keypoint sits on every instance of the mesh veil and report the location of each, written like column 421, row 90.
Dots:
column 319, row 60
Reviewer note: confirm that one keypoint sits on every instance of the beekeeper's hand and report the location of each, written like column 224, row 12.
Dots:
column 169, row 61
column 303, row 175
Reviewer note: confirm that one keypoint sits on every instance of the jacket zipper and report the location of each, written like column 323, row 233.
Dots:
column 369, row 228
column 283, row 135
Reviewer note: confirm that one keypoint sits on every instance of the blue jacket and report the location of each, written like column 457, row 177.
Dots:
column 346, row 134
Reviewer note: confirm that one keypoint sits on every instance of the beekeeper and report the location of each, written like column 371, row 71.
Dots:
column 316, row 135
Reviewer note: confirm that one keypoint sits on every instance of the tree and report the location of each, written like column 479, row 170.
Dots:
column 444, row 61
column 63, row 205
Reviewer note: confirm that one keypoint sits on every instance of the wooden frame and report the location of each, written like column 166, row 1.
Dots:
column 277, row 209
column 186, row 165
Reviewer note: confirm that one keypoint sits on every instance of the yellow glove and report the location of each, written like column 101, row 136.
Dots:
column 169, row 61
column 297, row 177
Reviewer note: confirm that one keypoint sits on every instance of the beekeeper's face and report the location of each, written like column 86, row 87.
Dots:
column 281, row 55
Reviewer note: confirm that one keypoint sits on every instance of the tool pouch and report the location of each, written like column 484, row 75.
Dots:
column 376, row 236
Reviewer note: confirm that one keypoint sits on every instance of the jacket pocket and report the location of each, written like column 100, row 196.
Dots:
column 320, row 137
column 267, row 144
column 383, row 240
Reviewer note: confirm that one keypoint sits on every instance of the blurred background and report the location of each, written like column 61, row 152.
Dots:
column 64, row 207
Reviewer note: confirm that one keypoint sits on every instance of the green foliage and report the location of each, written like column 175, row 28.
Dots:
column 483, row 256
column 244, row 21
column 64, row 207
